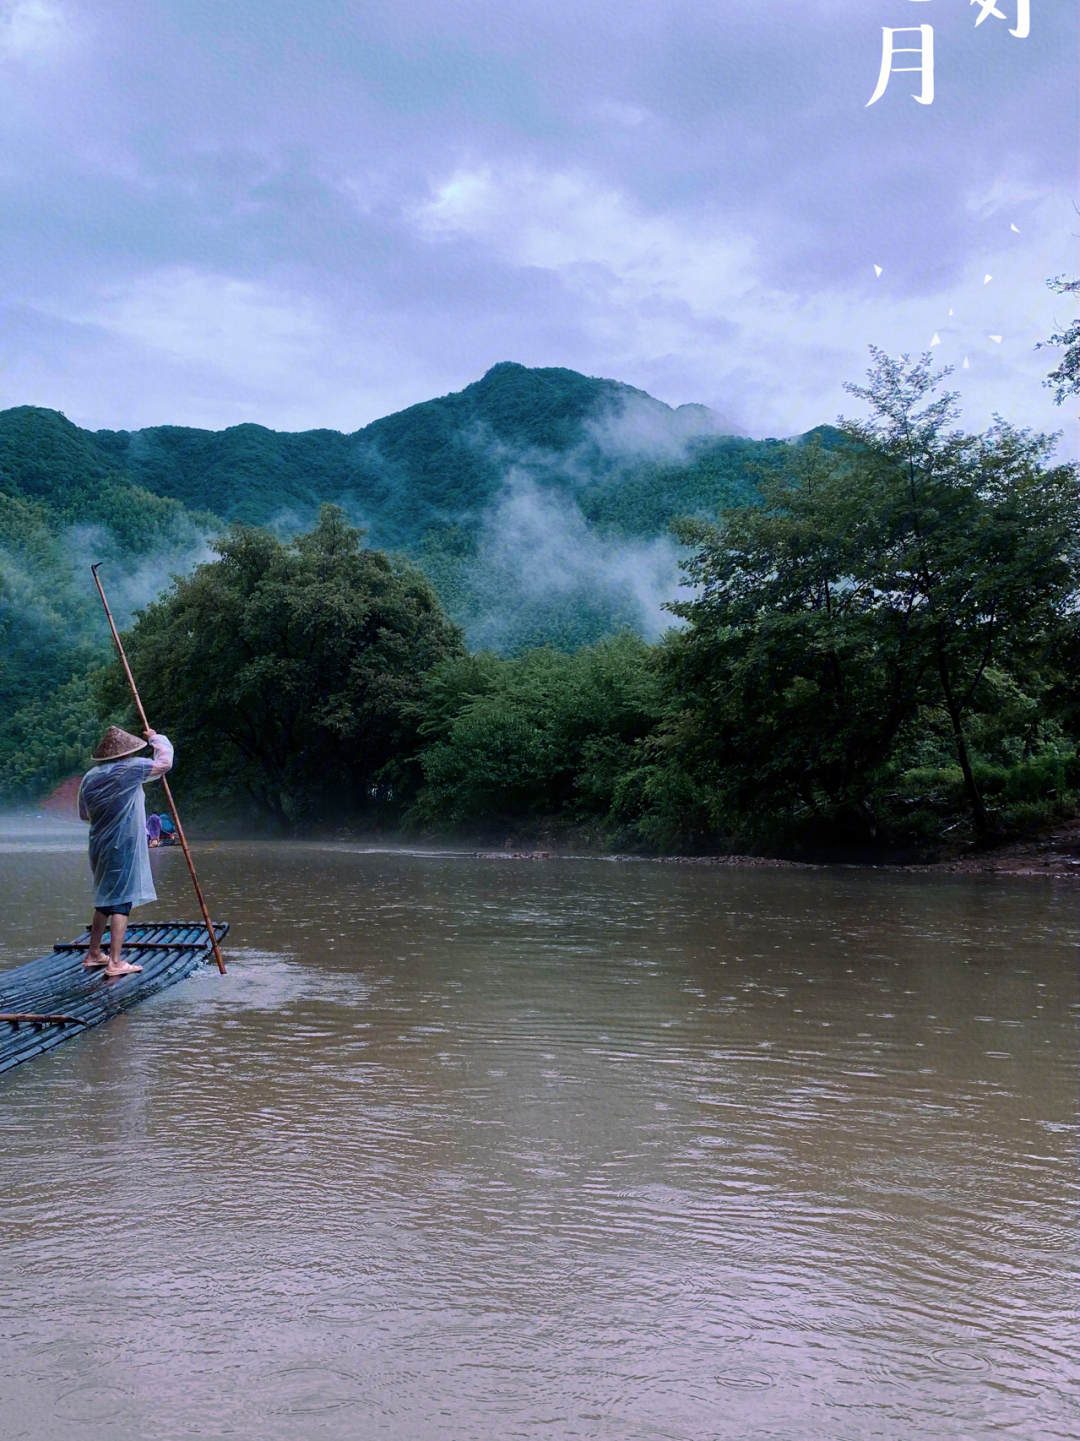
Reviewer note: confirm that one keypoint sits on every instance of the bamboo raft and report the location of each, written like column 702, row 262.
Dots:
column 46, row 1002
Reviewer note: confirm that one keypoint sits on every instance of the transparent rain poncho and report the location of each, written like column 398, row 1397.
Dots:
column 111, row 799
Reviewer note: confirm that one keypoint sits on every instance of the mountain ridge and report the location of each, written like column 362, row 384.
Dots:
column 440, row 461
column 538, row 501
column 445, row 457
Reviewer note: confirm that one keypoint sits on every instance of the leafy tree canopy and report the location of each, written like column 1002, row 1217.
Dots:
column 544, row 734
column 285, row 673
column 892, row 603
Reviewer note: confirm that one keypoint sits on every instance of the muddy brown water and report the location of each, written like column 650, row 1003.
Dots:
column 467, row 1149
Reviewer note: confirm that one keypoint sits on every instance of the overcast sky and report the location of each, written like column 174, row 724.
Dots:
column 314, row 212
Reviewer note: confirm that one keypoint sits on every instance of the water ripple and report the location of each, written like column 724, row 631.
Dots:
column 584, row 1151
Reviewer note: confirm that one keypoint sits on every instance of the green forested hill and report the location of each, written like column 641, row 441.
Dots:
column 63, row 504
column 515, row 493
column 442, row 462
column 43, row 457
column 50, row 463
column 246, row 473
column 538, row 501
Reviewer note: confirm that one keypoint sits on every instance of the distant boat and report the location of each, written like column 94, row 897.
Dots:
column 48, row 1001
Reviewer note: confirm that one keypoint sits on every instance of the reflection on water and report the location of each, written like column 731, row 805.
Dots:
column 552, row 1150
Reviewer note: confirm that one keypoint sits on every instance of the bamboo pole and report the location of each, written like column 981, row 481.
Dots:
column 164, row 782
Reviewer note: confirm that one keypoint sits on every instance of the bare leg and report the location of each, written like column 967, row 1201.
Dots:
column 118, row 930
column 95, row 956
column 116, row 966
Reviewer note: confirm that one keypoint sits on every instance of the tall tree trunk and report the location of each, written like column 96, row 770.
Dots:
column 978, row 810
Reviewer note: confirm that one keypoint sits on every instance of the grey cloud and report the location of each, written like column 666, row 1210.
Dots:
column 289, row 148
column 130, row 585
column 647, row 427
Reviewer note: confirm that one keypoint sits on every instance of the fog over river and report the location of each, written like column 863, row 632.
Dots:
column 479, row 1149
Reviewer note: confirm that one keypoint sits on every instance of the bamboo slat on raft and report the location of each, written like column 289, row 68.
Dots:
column 58, row 986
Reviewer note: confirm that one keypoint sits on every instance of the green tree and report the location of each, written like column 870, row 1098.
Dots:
column 48, row 739
column 880, row 586
column 1065, row 380
column 285, row 674
column 538, row 736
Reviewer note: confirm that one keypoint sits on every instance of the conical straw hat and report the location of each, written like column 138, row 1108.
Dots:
column 116, row 743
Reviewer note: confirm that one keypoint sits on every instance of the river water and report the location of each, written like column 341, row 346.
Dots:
column 469, row 1148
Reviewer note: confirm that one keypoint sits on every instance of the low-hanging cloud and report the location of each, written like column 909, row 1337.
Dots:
column 132, row 582
column 50, row 606
column 540, row 572
column 644, row 428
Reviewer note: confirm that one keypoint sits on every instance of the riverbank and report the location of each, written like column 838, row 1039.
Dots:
column 1051, row 851
column 1027, row 861
column 1055, row 852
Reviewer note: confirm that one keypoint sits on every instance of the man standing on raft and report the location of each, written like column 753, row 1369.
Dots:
column 111, row 799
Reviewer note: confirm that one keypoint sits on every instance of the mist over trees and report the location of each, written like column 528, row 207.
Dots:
column 875, row 643
column 536, row 500
column 63, row 505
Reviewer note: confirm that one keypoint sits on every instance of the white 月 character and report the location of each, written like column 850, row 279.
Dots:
column 1023, row 15
column 924, row 50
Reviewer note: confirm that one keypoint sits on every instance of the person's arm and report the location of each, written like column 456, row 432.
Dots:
column 163, row 754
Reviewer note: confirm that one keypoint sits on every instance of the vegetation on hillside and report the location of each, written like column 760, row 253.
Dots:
column 439, row 463
column 61, row 507
column 878, row 638
column 446, row 481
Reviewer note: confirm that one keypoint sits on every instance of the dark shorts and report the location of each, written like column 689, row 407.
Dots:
column 123, row 909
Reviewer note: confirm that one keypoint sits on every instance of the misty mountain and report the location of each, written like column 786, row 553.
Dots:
column 442, row 462
column 63, row 504
column 628, row 461
column 538, row 500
